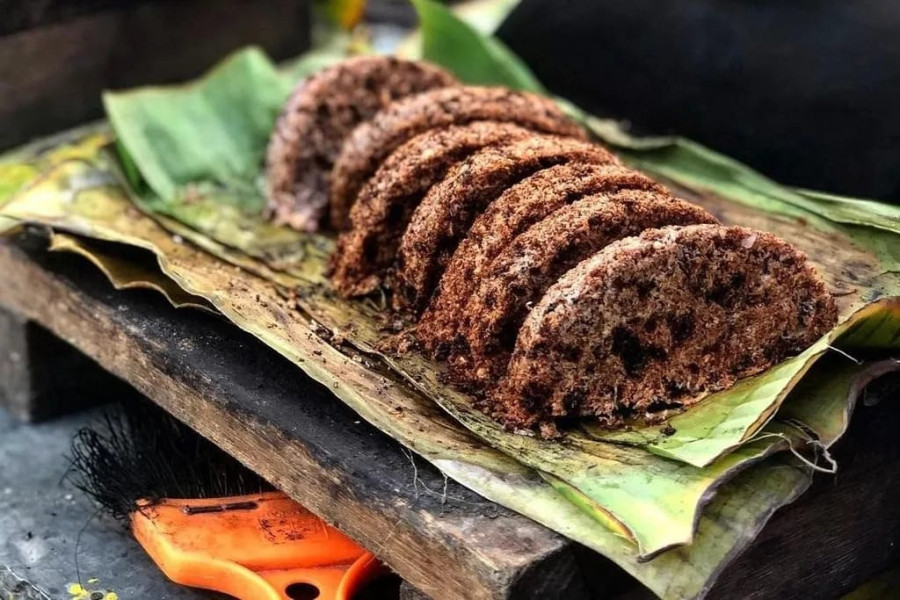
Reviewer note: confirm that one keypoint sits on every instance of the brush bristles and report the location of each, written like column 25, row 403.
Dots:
column 139, row 452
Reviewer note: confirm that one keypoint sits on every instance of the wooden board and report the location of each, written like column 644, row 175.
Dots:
column 443, row 539
column 263, row 410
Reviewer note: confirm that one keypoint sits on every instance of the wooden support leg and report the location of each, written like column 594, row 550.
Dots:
column 42, row 376
column 15, row 380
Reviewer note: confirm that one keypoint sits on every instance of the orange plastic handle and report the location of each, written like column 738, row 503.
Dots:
column 256, row 547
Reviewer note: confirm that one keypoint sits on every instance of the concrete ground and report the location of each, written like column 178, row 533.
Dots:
column 53, row 543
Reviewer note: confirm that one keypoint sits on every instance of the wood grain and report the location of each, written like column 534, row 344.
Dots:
column 16, row 392
column 448, row 542
column 445, row 540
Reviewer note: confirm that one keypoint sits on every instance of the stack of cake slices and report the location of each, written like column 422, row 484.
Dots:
column 555, row 282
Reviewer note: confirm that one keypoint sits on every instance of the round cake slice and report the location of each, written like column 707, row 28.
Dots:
column 373, row 141
column 447, row 211
column 535, row 260
column 319, row 114
column 387, row 201
column 652, row 322
column 516, row 209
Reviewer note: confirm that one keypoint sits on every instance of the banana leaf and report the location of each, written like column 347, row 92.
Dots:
column 126, row 272
column 217, row 190
column 75, row 183
column 857, row 257
column 704, row 437
column 70, row 198
column 449, row 41
column 24, row 165
column 854, row 244
column 225, row 224
column 702, row 434
column 613, row 478
column 597, row 470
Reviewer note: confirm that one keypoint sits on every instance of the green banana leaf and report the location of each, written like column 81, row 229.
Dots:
column 655, row 517
column 449, row 41
column 485, row 16
column 855, row 244
column 228, row 157
column 853, row 258
column 703, row 437
column 216, row 189
column 66, row 200
column 731, row 520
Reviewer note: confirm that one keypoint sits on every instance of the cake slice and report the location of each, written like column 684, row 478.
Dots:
column 319, row 114
column 535, row 260
column 386, row 202
column 516, row 209
column 444, row 216
column 653, row 322
column 371, row 142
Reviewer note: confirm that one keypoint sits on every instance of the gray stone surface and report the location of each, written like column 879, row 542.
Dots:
column 42, row 517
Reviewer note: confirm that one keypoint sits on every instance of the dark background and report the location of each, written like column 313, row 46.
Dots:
column 57, row 56
column 806, row 91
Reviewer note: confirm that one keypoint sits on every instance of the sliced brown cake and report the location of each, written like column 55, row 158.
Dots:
column 387, row 201
column 655, row 321
column 516, row 209
column 319, row 114
column 373, row 141
column 535, row 260
column 444, row 216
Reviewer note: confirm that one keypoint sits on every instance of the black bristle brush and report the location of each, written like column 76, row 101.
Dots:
column 205, row 519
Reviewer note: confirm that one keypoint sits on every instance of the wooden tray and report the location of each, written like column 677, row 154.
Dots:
column 440, row 537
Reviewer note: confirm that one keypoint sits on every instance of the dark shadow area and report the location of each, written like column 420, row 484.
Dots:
column 806, row 92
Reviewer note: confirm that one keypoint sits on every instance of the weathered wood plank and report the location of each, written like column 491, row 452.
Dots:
column 264, row 411
column 51, row 77
column 16, row 393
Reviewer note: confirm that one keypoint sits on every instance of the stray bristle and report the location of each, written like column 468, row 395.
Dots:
column 140, row 452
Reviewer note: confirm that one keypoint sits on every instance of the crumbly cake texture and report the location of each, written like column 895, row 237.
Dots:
column 319, row 115
column 386, row 202
column 654, row 321
column 535, row 260
column 447, row 211
column 527, row 266
column 371, row 142
column 519, row 207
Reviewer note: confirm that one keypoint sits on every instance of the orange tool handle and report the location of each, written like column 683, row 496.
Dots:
column 256, row 547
